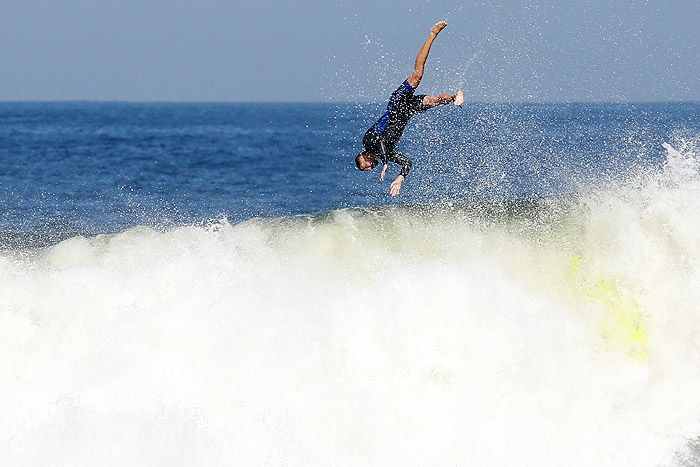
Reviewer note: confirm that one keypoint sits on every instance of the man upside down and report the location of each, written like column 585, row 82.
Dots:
column 379, row 141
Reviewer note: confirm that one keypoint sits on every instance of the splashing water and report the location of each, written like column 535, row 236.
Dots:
column 557, row 331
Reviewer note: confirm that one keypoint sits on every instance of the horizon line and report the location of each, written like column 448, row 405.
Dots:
column 128, row 101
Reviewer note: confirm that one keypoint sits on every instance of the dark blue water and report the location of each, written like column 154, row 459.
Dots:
column 69, row 168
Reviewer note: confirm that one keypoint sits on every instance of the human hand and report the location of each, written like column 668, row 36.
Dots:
column 381, row 177
column 395, row 188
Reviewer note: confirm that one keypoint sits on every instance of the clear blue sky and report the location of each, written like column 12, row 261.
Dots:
column 353, row 50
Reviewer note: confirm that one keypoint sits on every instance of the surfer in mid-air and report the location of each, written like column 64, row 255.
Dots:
column 381, row 138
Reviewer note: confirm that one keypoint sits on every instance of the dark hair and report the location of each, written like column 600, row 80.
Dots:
column 357, row 159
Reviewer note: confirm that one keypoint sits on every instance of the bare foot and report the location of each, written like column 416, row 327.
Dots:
column 438, row 27
column 459, row 98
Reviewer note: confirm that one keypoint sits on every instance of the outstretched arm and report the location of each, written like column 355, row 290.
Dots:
column 417, row 75
column 405, row 164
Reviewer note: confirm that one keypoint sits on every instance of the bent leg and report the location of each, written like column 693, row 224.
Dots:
column 414, row 79
column 442, row 99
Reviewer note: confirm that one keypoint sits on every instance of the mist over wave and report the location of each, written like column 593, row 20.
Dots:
column 552, row 331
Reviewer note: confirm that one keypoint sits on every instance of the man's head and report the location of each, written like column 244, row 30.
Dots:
column 366, row 161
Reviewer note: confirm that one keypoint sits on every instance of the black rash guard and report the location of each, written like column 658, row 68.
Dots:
column 385, row 133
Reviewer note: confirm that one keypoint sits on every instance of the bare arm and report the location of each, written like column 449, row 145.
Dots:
column 405, row 164
column 414, row 79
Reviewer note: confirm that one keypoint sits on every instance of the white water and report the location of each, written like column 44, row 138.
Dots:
column 396, row 336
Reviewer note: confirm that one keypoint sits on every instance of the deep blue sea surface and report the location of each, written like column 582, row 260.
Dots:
column 101, row 167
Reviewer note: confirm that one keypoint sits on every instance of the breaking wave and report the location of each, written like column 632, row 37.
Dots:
column 553, row 331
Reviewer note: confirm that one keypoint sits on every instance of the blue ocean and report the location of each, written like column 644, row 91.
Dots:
column 217, row 284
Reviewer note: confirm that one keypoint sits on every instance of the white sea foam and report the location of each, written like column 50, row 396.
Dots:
column 556, row 332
